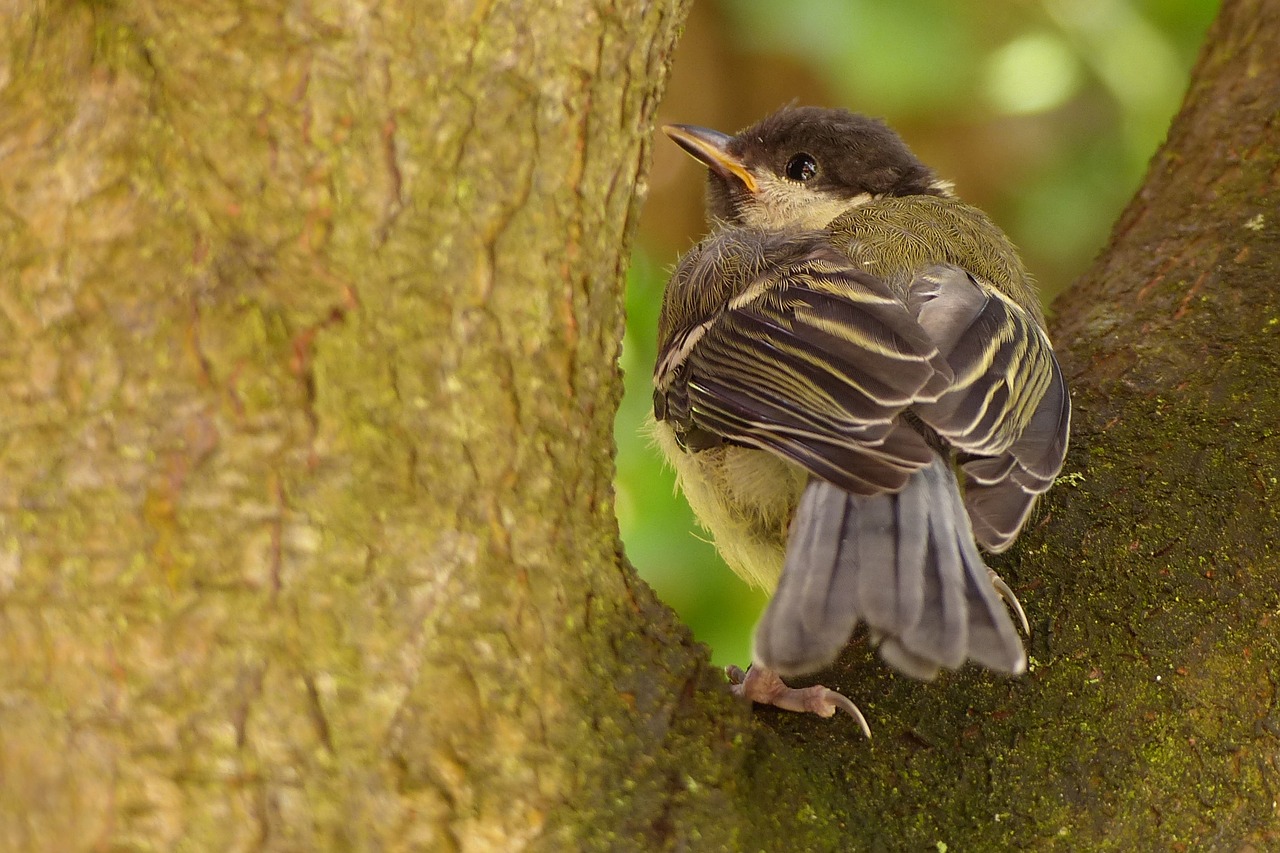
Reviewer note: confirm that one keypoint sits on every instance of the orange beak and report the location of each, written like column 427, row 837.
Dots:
column 710, row 147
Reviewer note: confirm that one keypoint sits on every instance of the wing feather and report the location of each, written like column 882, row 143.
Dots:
column 1007, row 411
column 813, row 359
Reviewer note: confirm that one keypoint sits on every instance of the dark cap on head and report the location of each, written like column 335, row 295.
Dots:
column 830, row 154
column 855, row 153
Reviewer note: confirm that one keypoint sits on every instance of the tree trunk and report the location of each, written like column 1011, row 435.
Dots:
column 310, row 321
column 310, row 328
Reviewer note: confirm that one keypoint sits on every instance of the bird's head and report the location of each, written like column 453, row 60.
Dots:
column 801, row 167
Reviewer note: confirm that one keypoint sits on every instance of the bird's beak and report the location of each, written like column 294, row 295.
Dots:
column 711, row 148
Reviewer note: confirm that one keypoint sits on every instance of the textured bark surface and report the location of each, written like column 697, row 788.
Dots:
column 310, row 320
column 308, row 325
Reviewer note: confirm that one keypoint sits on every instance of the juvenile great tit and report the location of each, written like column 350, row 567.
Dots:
column 856, row 391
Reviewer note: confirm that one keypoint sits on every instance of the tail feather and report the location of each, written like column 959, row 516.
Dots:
column 904, row 563
column 815, row 608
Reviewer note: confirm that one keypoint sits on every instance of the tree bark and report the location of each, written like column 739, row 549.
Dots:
column 310, row 323
column 310, row 328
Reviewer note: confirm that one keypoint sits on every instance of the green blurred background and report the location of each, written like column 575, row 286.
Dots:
column 1043, row 113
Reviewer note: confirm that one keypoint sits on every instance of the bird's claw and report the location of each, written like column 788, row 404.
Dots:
column 765, row 687
column 1010, row 599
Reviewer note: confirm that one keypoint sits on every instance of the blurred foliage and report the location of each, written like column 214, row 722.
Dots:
column 1043, row 113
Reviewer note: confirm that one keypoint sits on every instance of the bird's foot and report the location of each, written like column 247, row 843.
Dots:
column 765, row 687
column 1010, row 599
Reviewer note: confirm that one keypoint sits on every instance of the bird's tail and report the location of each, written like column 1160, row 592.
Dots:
column 904, row 563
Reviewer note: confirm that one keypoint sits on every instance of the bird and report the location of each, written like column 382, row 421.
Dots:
column 856, row 390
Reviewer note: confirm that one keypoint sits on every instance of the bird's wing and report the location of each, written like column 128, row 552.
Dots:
column 1007, row 412
column 813, row 359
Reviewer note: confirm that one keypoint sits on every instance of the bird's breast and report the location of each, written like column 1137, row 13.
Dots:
column 743, row 497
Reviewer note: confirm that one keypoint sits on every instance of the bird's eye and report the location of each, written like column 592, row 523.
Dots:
column 801, row 167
